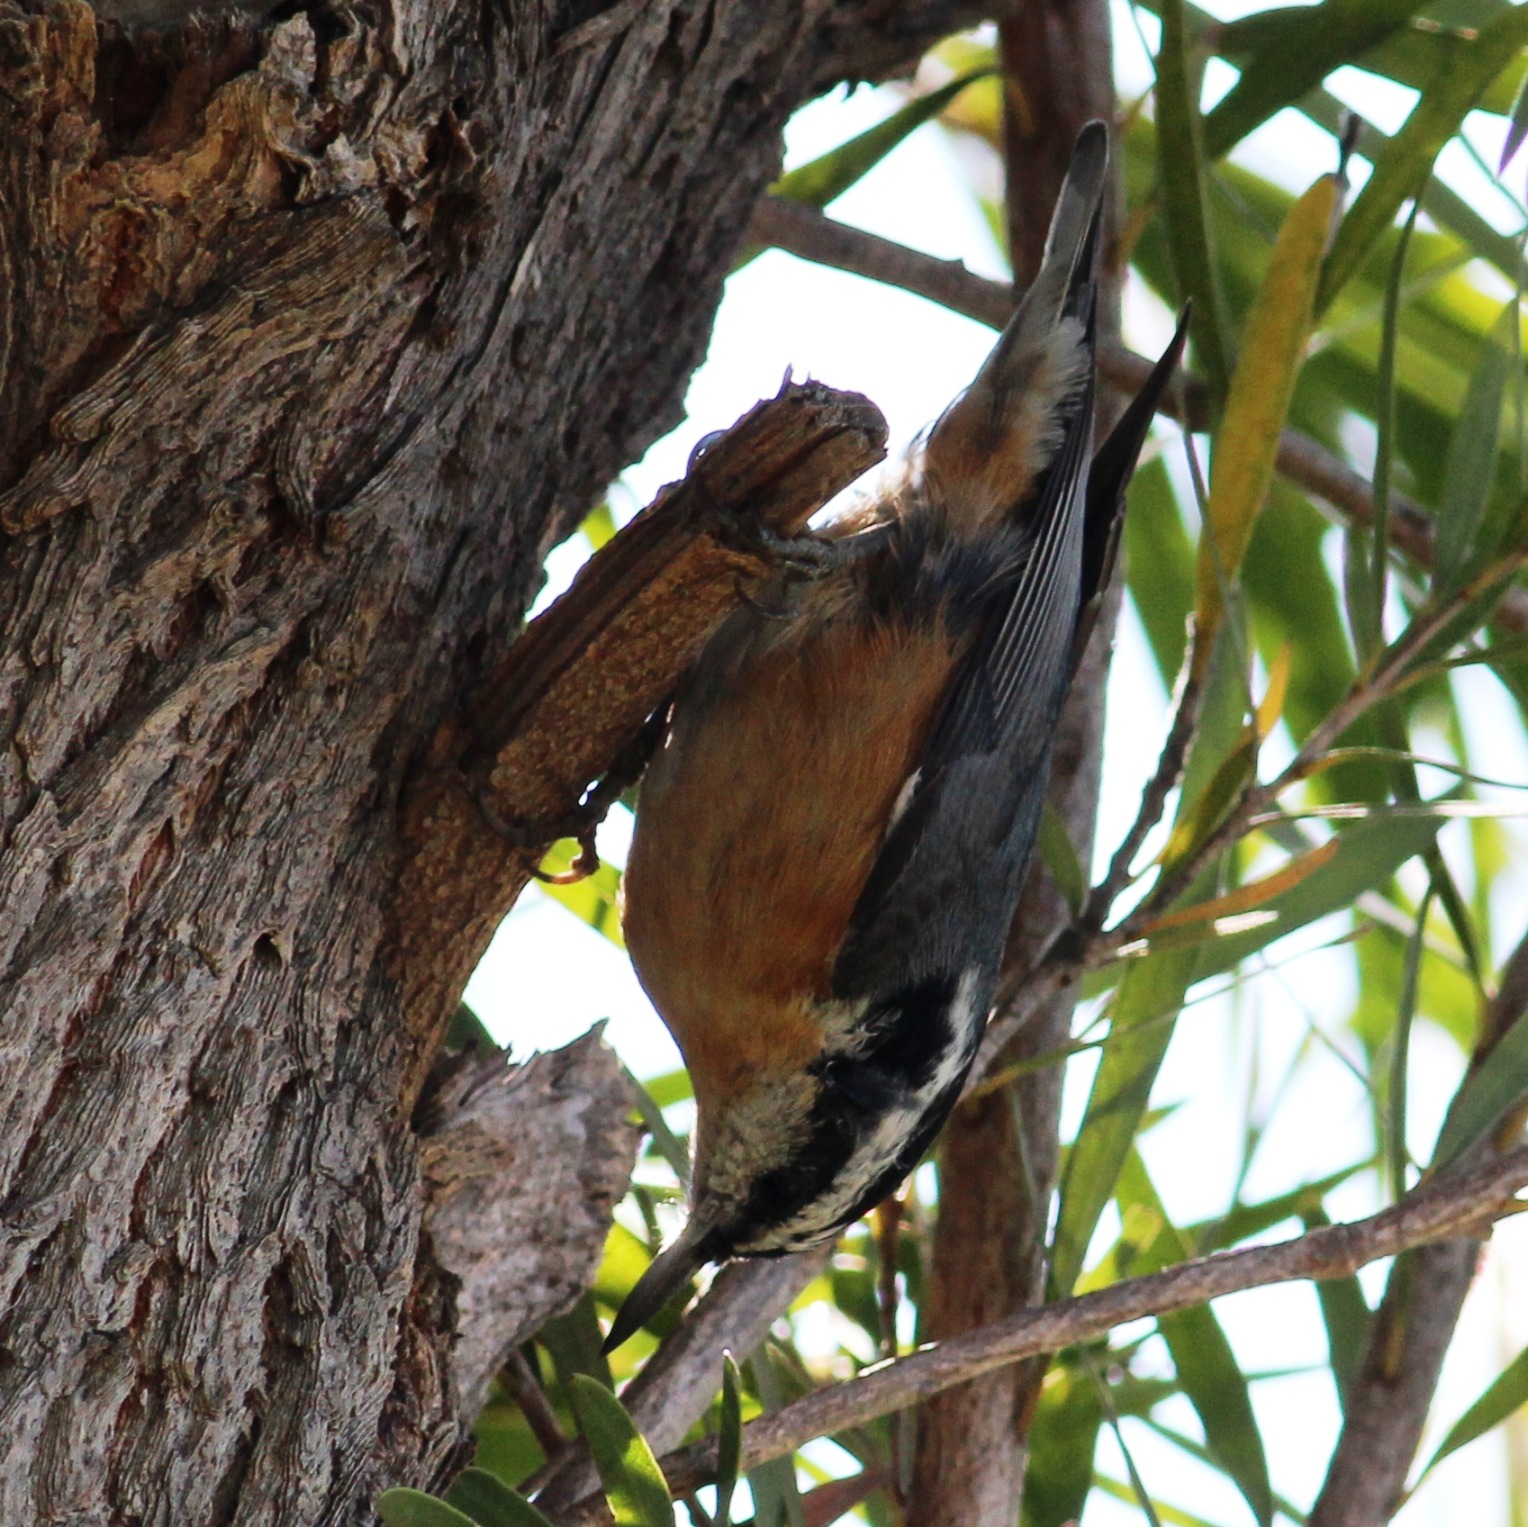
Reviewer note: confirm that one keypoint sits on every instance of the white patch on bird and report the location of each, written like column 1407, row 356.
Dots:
column 903, row 800
column 878, row 1149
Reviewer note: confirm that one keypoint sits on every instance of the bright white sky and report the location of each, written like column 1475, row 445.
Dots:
column 547, row 978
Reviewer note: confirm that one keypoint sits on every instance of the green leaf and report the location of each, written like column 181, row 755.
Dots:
column 599, row 525
column 1274, row 337
column 413, row 1508
column 1490, row 1092
column 467, row 1031
column 776, row 1497
column 1180, row 178
column 1062, row 1441
column 1305, row 46
column 729, row 1438
column 491, row 1503
column 1060, row 858
column 1471, row 465
column 1507, row 1392
column 667, row 1143
column 1368, row 853
column 1399, row 167
column 1395, row 1132
column 1244, row 1220
column 829, row 176
column 1173, row 1516
column 1159, row 564
column 1207, row 1367
column 574, row 1341
column 1368, row 565
column 1138, row 1040
column 637, row 1493
column 1347, row 1317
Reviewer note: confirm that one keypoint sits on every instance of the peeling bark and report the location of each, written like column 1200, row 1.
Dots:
column 315, row 333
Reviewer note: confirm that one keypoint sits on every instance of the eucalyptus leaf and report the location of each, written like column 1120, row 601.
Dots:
column 1507, row 1392
column 635, row 1489
column 413, row 1508
column 491, row 1503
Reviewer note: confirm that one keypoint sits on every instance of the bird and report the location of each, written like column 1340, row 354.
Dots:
column 833, row 833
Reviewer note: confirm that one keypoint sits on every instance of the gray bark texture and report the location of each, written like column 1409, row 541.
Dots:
column 315, row 332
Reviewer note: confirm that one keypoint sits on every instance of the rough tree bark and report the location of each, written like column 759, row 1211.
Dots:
column 315, row 332
column 999, row 1153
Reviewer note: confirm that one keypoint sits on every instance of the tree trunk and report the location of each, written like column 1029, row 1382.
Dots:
column 315, row 333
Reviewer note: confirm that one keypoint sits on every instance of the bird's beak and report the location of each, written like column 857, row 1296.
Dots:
column 671, row 1270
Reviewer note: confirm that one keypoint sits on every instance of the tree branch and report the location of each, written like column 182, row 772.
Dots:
column 1386, row 1406
column 1305, row 462
column 577, row 686
column 1461, row 1202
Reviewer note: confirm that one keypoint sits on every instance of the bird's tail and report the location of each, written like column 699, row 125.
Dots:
column 992, row 444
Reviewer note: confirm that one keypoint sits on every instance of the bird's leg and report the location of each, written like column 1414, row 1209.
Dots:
column 581, row 822
column 797, row 558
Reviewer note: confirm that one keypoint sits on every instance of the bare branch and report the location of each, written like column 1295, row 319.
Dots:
column 1387, row 1404
column 577, row 686
column 1308, row 464
column 1459, row 1203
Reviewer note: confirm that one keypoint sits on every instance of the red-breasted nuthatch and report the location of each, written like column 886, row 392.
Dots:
column 832, row 837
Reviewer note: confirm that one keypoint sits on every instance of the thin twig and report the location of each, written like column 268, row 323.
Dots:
column 1459, row 1203
column 1163, row 782
column 811, row 235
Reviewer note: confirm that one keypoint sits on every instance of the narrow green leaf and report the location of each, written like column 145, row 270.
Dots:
column 1138, row 1040
column 1368, row 854
column 1174, row 1516
column 1063, row 1438
column 1159, row 564
column 1244, row 1220
column 1470, row 467
column 667, row 1143
column 1368, row 568
column 1309, row 44
column 1207, row 1367
column 574, row 1341
column 491, row 1503
column 1395, row 1133
column 467, row 1031
column 1180, row 176
column 1506, row 1393
column 1060, row 858
column 1274, row 338
column 599, row 525
column 1461, row 78
column 1490, row 1092
column 413, row 1508
column 729, row 1438
column 1347, row 1318
column 635, row 1489
column 831, row 174
column 776, row 1498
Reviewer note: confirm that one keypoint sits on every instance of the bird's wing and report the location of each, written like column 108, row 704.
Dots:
column 939, row 895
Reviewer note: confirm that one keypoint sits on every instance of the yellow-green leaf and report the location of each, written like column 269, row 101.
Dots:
column 1273, row 346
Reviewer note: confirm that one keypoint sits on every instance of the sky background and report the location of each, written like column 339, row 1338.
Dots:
column 547, row 977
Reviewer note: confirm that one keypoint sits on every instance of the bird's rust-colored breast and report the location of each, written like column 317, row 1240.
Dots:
column 758, row 825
